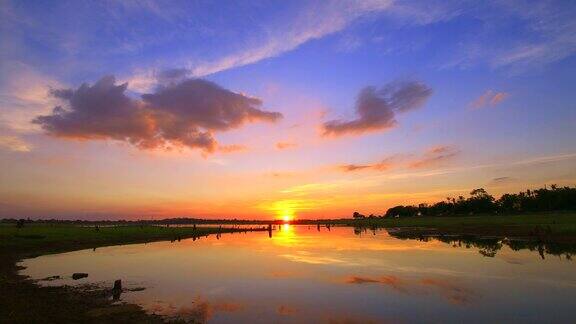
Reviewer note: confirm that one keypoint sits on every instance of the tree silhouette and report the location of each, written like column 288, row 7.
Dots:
column 481, row 202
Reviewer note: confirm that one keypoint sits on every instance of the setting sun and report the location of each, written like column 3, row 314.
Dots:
column 287, row 218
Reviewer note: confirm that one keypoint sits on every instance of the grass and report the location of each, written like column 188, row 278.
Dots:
column 561, row 223
column 558, row 228
column 54, row 237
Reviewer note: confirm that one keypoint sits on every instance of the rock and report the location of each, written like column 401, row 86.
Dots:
column 79, row 275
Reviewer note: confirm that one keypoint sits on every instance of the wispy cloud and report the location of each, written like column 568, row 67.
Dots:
column 490, row 98
column 384, row 165
column 501, row 180
column 24, row 93
column 13, row 143
column 435, row 156
column 314, row 21
column 544, row 33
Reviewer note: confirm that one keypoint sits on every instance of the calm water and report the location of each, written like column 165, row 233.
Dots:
column 336, row 276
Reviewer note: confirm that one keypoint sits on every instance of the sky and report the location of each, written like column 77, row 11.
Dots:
column 280, row 109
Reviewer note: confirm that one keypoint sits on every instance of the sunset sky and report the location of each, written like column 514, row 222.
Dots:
column 272, row 109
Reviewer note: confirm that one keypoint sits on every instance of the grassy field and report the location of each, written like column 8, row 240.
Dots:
column 561, row 223
column 45, row 238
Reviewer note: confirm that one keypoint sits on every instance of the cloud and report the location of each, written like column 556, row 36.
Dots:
column 146, row 81
column 544, row 33
column 13, row 143
column 502, row 180
column 425, row 12
column 490, row 98
column 354, row 167
column 360, row 280
column 23, row 95
column 383, row 165
column 285, row 145
column 376, row 109
column 232, row 148
column 435, row 156
column 552, row 31
column 176, row 115
column 311, row 22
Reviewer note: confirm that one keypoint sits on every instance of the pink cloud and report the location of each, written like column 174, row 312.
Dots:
column 435, row 156
column 490, row 98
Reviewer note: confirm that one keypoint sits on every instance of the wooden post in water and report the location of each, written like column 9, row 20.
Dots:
column 117, row 285
column 117, row 289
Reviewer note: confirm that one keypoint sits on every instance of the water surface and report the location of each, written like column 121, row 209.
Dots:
column 305, row 275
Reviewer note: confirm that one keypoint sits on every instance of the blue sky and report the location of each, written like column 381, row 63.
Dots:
column 500, row 74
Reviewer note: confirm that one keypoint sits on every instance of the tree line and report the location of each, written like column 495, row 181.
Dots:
column 545, row 199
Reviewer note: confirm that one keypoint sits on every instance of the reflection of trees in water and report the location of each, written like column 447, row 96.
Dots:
column 487, row 246
column 360, row 230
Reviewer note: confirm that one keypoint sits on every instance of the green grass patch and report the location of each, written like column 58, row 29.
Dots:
column 43, row 237
column 564, row 223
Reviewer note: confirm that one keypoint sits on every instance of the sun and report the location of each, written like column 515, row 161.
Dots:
column 287, row 218
column 287, row 214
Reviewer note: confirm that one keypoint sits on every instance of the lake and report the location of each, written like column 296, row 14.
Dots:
column 306, row 274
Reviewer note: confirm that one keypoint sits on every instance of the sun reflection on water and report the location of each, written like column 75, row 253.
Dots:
column 285, row 235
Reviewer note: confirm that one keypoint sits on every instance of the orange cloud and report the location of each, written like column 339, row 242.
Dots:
column 285, row 145
column 489, row 99
column 232, row 148
column 383, row 165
